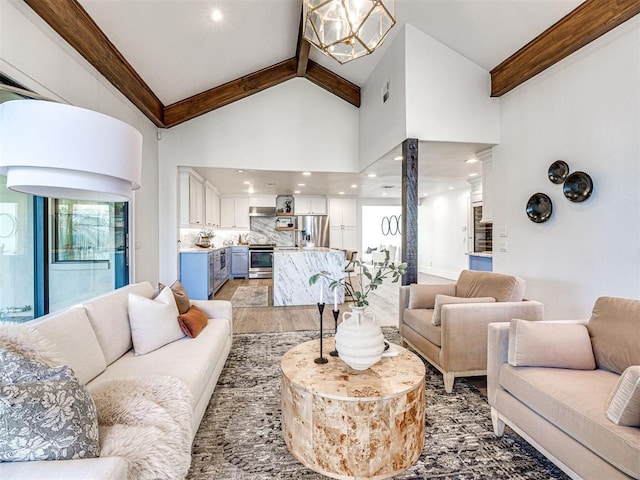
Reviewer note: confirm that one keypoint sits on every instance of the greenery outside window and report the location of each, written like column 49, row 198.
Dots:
column 82, row 231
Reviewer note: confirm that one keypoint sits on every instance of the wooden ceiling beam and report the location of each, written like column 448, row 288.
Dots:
column 588, row 21
column 333, row 83
column 222, row 95
column 302, row 50
column 76, row 27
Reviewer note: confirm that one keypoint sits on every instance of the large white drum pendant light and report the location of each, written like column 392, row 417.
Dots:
column 61, row 151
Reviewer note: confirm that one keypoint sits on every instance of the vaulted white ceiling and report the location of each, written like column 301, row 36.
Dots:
column 179, row 51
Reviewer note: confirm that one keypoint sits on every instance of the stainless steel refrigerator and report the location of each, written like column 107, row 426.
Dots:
column 313, row 228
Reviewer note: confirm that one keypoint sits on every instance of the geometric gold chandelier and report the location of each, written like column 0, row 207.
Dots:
column 347, row 29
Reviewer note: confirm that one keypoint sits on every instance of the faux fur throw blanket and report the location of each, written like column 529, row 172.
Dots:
column 147, row 420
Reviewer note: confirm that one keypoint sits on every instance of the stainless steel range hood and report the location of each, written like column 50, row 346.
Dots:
column 262, row 211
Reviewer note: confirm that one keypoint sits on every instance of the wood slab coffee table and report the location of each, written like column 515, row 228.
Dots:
column 351, row 424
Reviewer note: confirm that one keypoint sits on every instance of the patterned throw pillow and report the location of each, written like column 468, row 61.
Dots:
column 46, row 413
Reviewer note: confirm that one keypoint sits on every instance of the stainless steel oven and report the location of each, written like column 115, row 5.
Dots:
column 261, row 261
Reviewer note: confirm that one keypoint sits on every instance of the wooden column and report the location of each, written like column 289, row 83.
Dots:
column 410, row 209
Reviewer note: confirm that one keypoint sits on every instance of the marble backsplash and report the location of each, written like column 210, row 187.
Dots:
column 261, row 228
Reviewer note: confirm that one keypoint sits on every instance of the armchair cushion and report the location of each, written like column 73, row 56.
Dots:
column 424, row 296
column 547, row 344
column 623, row 406
column 504, row 288
column 614, row 327
column 441, row 300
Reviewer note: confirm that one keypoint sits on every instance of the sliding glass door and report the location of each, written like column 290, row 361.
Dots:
column 56, row 253
column 17, row 259
column 88, row 250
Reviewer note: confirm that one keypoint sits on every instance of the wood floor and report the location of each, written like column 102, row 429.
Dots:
column 267, row 319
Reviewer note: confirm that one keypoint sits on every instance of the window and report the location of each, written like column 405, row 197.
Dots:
column 82, row 231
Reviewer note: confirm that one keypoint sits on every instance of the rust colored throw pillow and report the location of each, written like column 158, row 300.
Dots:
column 193, row 321
column 182, row 299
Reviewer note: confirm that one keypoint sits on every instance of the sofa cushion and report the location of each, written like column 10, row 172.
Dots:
column 45, row 412
column 623, row 406
column 424, row 295
column 548, row 344
column 575, row 401
column 420, row 320
column 181, row 297
column 614, row 328
column 192, row 322
column 504, row 288
column 75, row 340
column 449, row 300
column 192, row 360
column 154, row 323
column 109, row 318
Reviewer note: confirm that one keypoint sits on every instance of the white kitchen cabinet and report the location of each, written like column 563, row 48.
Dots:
column 344, row 238
column 212, row 206
column 310, row 205
column 342, row 223
column 342, row 211
column 234, row 212
column 191, row 199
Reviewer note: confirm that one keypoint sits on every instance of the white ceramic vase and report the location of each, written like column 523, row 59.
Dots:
column 359, row 339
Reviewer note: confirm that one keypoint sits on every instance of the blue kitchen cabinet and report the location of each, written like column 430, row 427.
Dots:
column 239, row 261
column 481, row 263
column 197, row 274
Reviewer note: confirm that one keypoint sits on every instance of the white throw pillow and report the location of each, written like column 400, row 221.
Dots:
column 154, row 323
column 549, row 344
column 448, row 300
column 623, row 407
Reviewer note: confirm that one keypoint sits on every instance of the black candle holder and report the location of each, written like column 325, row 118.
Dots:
column 321, row 359
column 334, row 353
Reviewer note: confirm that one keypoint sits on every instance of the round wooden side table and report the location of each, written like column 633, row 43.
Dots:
column 350, row 424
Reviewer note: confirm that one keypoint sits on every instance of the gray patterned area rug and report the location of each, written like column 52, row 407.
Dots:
column 251, row 297
column 240, row 437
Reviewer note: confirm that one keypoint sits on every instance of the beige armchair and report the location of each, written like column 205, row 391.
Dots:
column 447, row 324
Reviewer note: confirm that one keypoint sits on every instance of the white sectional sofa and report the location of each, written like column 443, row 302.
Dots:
column 95, row 340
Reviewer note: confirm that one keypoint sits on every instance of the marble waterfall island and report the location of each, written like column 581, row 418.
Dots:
column 292, row 268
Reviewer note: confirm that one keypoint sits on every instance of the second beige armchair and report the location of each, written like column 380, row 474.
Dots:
column 447, row 324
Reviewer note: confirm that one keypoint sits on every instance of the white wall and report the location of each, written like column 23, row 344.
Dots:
column 383, row 125
column 585, row 111
column 34, row 55
column 293, row 126
column 442, row 233
column 447, row 95
column 436, row 94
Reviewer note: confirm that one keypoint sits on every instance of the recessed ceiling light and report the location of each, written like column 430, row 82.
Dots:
column 426, row 194
column 397, row 158
column 371, row 175
column 384, row 194
column 240, row 171
column 216, row 15
column 246, row 182
column 471, row 160
column 301, row 184
column 306, row 174
column 354, row 186
column 250, row 189
column 296, row 192
column 473, row 175
column 450, row 188
column 340, row 193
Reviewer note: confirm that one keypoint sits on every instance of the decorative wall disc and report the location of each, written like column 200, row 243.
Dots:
column 578, row 187
column 539, row 208
column 558, row 171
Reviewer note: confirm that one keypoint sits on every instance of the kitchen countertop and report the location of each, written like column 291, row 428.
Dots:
column 303, row 249
column 200, row 249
